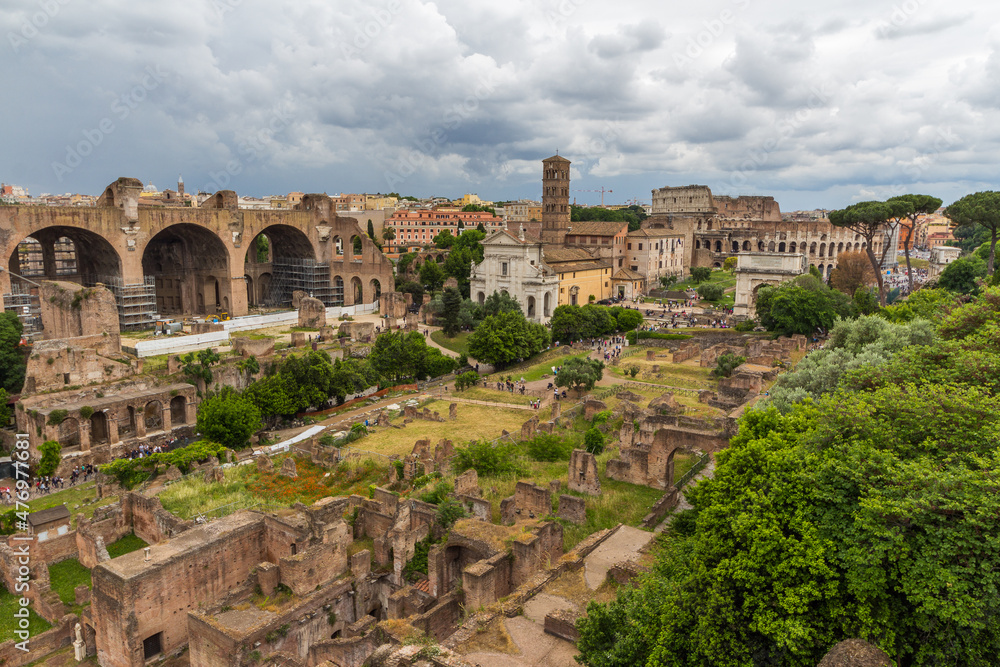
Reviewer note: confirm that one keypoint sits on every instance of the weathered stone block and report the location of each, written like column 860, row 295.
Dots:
column 572, row 509
column 583, row 473
column 288, row 468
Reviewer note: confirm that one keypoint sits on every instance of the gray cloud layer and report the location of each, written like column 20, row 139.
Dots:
column 819, row 106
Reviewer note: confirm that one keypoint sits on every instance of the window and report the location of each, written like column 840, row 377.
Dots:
column 503, row 268
column 640, row 246
column 629, row 246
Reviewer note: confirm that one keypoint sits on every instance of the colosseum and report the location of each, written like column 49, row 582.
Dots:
column 718, row 227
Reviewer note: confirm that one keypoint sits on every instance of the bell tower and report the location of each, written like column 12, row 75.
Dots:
column 555, row 199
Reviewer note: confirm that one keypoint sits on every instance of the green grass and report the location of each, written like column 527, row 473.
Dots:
column 10, row 603
column 459, row 344
column 155, row 364
column 494, row 395
column 914, row 262
column 71, row 497
column 125, row 545
column 65, row 576
column 724, row 278
column 539, row 369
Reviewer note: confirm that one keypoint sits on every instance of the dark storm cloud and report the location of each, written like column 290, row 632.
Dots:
column 330, row 96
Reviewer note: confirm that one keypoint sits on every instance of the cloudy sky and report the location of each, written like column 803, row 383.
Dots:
column 817, row 104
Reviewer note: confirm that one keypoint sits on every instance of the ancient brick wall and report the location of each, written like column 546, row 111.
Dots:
column 134, row 599
column 313, row 567
column 149, row 520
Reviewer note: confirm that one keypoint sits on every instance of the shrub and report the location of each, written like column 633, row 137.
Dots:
column 746, row 325
column 51, row 455
column 593, row 441
column 488, row 458
column 399, row 466
column 86, row 412
column 57, row 417
column 726, row 364
column 466, row 380
column 449, row 511
column 601, row 417
column 437, row 495
column 710, row 291
column 549, row 447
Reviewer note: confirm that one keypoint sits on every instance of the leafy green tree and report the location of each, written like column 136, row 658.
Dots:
column 473, row 208
column 627, row 318
column 51, row 452
column 405, row 261
column 868, row 341
column 452, row 311
column 262, row 249
column 928, row 304
column 960, row 276
column 466, row 380
column 351, row 376
column 481, row 228
column 549, row 447
column 700, row 274
column 499, row 302
column 371, row 230
column 388, row 233
column 856, row 537
column 869, row 219
column 12, row 357
column 580, row 373
column 593, row 441
column 444, row 239
column 980, row 209
column 198, row 366
column 448, row 512
column 229, row 419
column 566, row 323
column 272, row 398
column 458, row 265
column 730, row 263
column 801, row 306
column 918, row 205
column 413, row 288
column 471, row 240
column 489, row 459
column 865, row 302
column 710, row 291
column 726, row 364
column 308, row 378
column 431, row 275
column 5, row 412
column 507, row 337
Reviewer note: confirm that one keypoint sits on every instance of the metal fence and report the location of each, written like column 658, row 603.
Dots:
column 695, row 469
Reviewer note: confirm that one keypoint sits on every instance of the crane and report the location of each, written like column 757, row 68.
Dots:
column 602, row 191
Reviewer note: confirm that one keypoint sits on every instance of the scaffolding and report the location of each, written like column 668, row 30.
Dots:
column 289, row 274
column 32, row 261
column 23, row 301
column 136, row 302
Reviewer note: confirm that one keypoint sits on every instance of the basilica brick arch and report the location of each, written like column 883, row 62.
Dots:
column 198, row 257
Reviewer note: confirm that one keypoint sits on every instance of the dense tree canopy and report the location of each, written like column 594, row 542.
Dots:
column 961, row 275
column 980, row 209
column 570, row 323
column 869, row 511
column 228, row 418
column 506, row 338
column 12, row 359
column 801, row 306
column 580, row 373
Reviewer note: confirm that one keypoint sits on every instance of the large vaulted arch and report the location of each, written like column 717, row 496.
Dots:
column 190, row 266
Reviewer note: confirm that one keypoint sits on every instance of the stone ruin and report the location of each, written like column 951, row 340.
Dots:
column 572, row 509
column 666, row 404
column 453, row 411
column 528, row 502
column 411, row 413
column 529, row 428
column 253, row 347
column 630, row 396
column 288, row 468
column 358, row 331
column 746, row 382
column 394, row 304
column 647, row 457
column 312, row 312
column 423, row 460
column 591, row 407
column 583, row 473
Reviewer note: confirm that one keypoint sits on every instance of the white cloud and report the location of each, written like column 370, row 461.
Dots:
column 811, row 103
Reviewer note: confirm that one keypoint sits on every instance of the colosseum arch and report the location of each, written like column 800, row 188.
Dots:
column 292, row 266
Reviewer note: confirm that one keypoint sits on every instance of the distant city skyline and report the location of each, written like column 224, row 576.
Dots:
column 816, row 106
